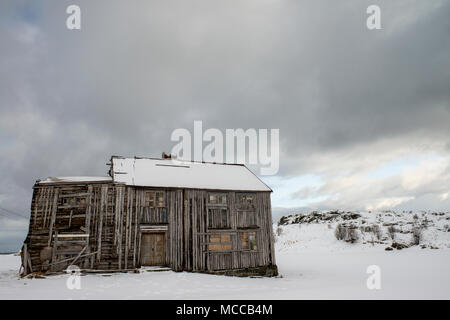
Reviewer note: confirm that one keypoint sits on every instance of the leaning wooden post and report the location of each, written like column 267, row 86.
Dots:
column 53, row 219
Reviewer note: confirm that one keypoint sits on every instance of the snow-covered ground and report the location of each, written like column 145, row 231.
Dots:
column 316, row 230
column 312, row 264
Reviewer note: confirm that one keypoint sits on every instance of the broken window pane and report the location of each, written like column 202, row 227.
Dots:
column 248, row 241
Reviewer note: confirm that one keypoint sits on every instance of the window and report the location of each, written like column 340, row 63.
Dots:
column 154, row 210
column 69, row 201
column 154, row 199
column 218, row 213
column 217, row 199
column 246, row 210
column 245, row 201
column 220, row 242
column 248, row 241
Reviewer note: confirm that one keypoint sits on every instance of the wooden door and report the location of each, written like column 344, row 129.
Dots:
column 153, row 249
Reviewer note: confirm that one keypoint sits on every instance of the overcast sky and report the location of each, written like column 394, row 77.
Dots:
column 364, row 115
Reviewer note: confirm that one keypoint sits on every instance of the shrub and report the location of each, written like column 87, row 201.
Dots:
column 348, row 234
column 279, row 231
column 391, row 232
column 352, row 235
column 340, row 232
column 376, row 231
column 416, row 235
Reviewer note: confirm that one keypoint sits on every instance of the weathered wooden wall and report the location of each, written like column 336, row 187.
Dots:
column 93, row 226
column 99, row 226
column 199, row 257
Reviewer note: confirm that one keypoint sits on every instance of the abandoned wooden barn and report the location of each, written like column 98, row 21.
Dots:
column 188, row 216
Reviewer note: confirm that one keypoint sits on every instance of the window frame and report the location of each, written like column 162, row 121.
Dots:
column 155, row 200
column 246, row 208
column 216, row 205
column 221, row 245
column 249, row 247
column 217, row 194
column 154, row 207
column 67, row 201
column 245, row 205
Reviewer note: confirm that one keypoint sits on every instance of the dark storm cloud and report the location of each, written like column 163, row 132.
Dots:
column 135, row 72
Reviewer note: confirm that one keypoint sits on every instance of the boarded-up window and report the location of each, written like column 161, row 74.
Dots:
column 220, row 242
column 218, row 213
column 247, row 219
column 218, row 218
column 246, row 210
column 248, row 241
column 154, row 210
column 154, row 216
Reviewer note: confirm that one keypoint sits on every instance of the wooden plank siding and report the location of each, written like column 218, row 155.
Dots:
column 101, row 225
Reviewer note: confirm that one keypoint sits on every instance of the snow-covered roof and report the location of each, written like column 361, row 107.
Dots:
column 167, row 173
column 74, row 179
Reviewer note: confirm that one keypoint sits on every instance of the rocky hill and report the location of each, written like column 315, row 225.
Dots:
column 341, row 229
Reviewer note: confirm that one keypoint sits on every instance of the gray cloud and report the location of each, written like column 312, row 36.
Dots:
column 424, row 185
column 345, row 99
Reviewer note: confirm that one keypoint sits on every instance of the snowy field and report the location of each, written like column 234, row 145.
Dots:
column 306, row 274
column 312, row 264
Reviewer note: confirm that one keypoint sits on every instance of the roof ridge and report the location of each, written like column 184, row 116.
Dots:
column 180, row 160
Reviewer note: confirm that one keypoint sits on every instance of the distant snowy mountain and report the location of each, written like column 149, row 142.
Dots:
column 338, row 230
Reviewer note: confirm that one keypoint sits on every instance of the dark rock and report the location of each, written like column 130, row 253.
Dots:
column 283, row 221
column 399, row 246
